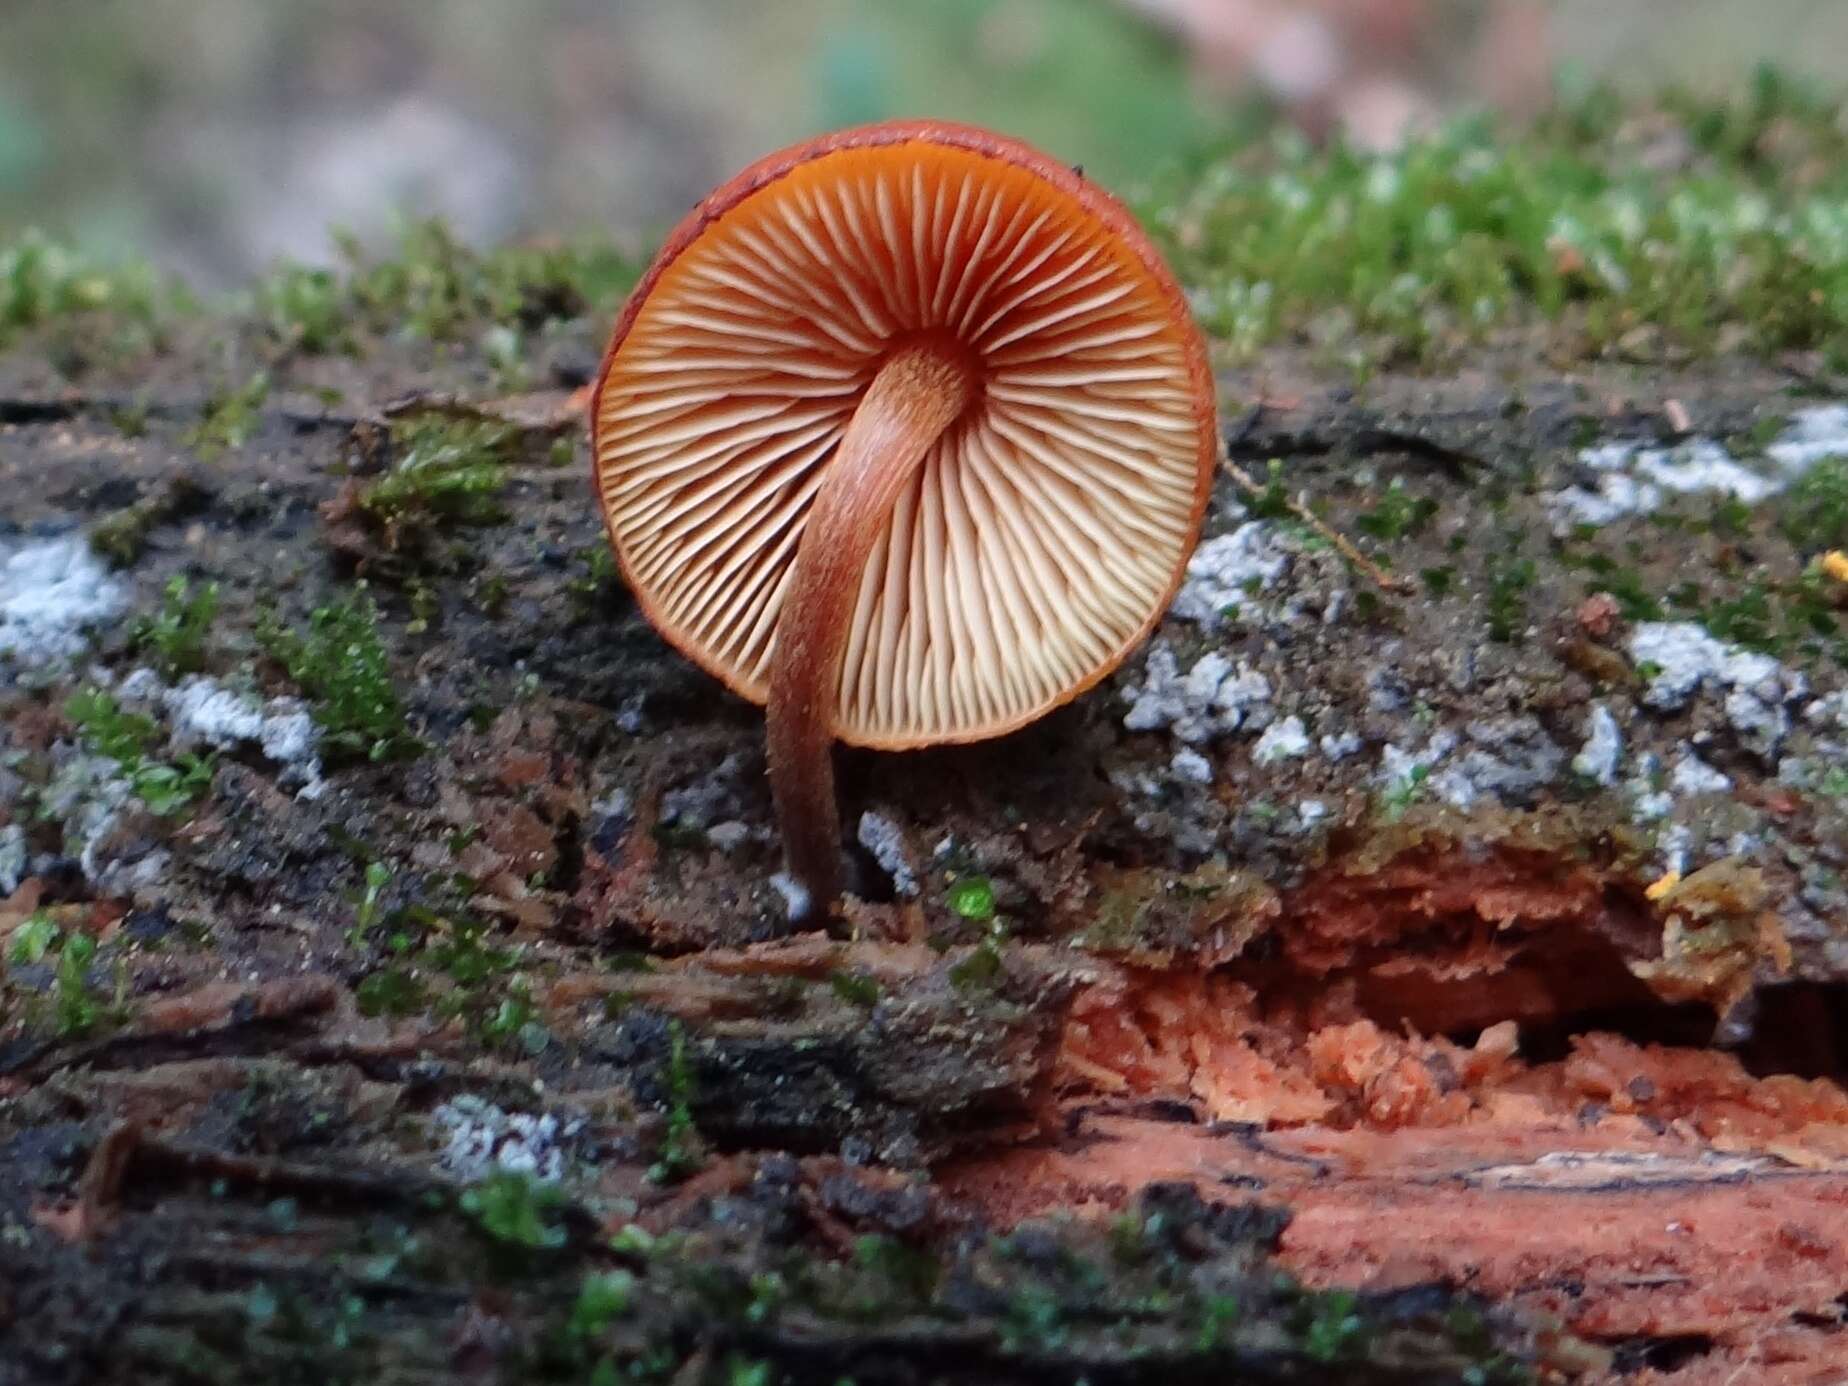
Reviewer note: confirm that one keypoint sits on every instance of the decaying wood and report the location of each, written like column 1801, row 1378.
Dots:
column 1491, row 1069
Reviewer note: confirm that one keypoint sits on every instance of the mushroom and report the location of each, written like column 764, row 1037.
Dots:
column 907, row 434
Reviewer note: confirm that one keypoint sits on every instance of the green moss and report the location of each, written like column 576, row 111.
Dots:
column 1729, row 517
column 76, row 1009
column 1814, row 511
column 1745, row 618
column 1273, row 502
column 1795, row 619
column 973, row 897
column 339, row 662
column 122, row 536
column 1180, row 1285
column 43, row 281
column 431, row 287
column 746, row 1371
column 1220, row 1315
column 1404, row 792
column 1509, row 577
column 513, row 1022
column 232, row 417
column 1775, row 113
column 1477, row 229
column 107, row 729
column 127, row 738
column 368, row 903
column 307, row 308
column 1157, row 910
column 980, row 969
column 599, row 583
column 32, row 940
column 602, row 1298
column 680, row 1153
column 517, row 1212
column 426, row 606
column 676, row 836
column 1034, row 1321
column 436, row 288
column 1331, row 1326
column 856, row 988
column 176, row 634
column 439, row 960
column 1626, row 584
column 1397, row 515
column 444, row 472
column 489, row 594
column 909, row 1273
column 392, row 991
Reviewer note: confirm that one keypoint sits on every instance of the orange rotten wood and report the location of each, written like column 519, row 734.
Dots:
column 907, row 434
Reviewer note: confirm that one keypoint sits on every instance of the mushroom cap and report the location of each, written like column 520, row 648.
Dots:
column 1049, row 526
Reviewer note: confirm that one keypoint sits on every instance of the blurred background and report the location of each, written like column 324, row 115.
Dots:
column 218, row 136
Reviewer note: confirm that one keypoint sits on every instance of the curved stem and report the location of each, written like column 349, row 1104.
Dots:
column 916, row 395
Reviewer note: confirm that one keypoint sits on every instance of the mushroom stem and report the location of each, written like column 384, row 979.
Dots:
column 917, row 393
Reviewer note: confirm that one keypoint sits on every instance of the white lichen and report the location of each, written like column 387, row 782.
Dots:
column 1647, row 805
column 709, row 799
column 1598, row 758
column 797, row 901
column 1387, row 691
column 1513, row 757
column 1339, row 746
column 1677, row 847
column 1637, row 480
column 1812, row 435
column 1398, row 764
column 95, row 806
column 1629, row 477
column 613, row 813
column 12, row 857
column 480, row 1138
column 1649, row 800
column 1213, row 698
column 1682, row 658
column 1191, row 766
column 629, row 717
column 206, row 713
column 50, row 591
column 1692, row 776
column 1285, row 740
column 1225, row 572
column 1829, row 712
column 1508, row 759
column 729, row 836
column 885, row 840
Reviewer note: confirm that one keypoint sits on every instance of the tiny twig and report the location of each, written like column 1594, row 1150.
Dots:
column 1344, row 546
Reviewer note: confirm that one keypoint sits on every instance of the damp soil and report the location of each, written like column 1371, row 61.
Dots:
column 1363, row 1022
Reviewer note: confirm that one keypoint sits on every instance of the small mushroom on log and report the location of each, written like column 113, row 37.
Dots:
column 907, row 434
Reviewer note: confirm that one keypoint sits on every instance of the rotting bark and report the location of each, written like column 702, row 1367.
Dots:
column 1415, row 1048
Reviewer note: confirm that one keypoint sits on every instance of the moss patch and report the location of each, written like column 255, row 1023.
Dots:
column 1734, row 246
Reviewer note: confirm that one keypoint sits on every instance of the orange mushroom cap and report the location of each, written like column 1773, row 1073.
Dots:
column 1048, row 526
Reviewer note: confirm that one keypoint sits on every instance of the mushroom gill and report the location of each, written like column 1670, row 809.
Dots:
column 906, row 433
